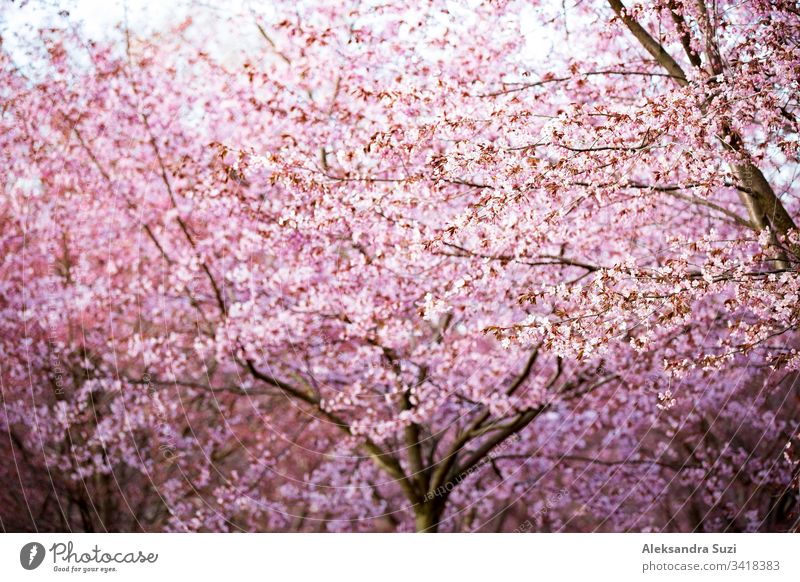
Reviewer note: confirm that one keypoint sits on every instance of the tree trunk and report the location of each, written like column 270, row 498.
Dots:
column 427, row 517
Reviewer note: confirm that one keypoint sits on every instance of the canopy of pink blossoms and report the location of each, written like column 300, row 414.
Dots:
column 507, row 266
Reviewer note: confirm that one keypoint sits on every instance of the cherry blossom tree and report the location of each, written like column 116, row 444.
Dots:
column 514, row 266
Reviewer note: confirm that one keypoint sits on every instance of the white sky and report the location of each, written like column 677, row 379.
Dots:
column 19, row 19
column 99, row 16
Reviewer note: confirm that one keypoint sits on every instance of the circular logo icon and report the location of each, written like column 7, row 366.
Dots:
column 31, row 555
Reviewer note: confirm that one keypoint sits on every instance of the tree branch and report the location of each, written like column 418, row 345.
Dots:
column 650, row 44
